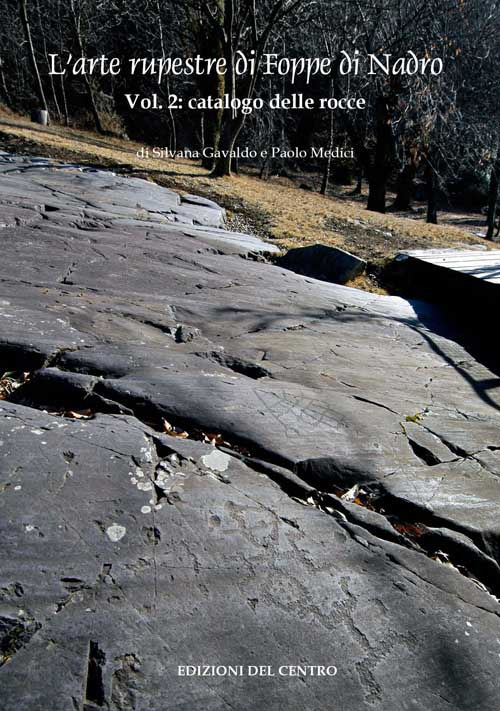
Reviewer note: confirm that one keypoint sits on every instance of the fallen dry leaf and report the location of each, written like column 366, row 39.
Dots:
column 351, row 494
column 212, row 438
column 415, row 530
column 173, row 431
column 167, row 427
column 83, row 415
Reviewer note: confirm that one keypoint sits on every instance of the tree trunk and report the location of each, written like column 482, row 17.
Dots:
column 173, row 127
column 173, row 133
column 23, row 12
column 493, row 197
column 212, row 136
column 86, row 78
column 326, row 175
column 404, row 193
column 359, row 184
column 51, row 78
column 230, row 132
column 377, row 192
column 432, row 185
column 3, row 83
column 210, row 45
column 328, row 165
column 380, row 169
column 215, row 87
column 65, row 102
column 61, row 76
column 93, row 105
column 222, row 164
column 264, row 172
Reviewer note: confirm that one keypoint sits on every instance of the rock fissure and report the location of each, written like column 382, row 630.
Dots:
column 408, row 523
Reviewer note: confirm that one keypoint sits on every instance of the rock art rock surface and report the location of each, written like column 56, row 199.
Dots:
column 206, row 459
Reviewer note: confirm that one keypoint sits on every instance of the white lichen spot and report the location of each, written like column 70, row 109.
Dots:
column 116, row 532
column 144, row 486
column 217, row 461
column 148, row 455
column 139, row 473
column 37, row 432
column 158, row 507
column 18, row 487
column 146, row 509
column 161, row 482
column 29, row 528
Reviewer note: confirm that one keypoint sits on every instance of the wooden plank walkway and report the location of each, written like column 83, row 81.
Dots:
column 479, row 264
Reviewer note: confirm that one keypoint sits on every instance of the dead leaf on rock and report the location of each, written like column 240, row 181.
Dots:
column 10, row 381
column 173, row 431
column 414, row 530
column 214, row 438
column 351, row 494
column 444, row 559
column 82, row 415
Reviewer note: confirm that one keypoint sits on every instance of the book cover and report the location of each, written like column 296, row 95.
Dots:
column 249, row 378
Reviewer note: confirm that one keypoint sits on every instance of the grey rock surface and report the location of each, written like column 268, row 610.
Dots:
column 335, row 502
column 323, row 262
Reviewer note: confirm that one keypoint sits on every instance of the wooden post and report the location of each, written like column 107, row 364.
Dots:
column 493, row 197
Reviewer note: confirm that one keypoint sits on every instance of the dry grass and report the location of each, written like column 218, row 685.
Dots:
column 275, row 208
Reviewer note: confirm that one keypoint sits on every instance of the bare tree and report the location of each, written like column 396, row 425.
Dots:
column 23, row 11
column 77, row 8
column 237, row 25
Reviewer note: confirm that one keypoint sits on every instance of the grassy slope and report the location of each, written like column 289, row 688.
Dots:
column 276, row 209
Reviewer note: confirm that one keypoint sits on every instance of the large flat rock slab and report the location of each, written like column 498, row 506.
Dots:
column 207, row 459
